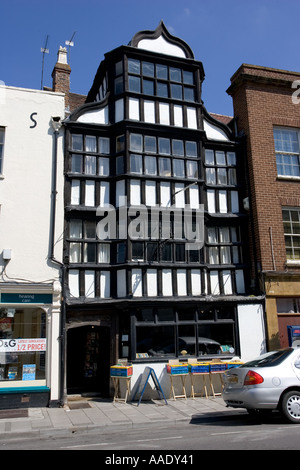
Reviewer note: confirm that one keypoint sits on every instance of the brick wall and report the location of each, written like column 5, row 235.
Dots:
column 262, row 99
column 61, row 81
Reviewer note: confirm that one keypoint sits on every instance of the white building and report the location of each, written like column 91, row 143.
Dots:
column 31, row 215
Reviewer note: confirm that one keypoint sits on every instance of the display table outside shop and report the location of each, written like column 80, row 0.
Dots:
column 201, row 370
column 206, row 371
column 217, row 369
column 120, row 373
column 177, row 370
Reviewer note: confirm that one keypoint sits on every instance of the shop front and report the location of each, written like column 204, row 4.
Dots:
column 29, row 349
column 218, row 331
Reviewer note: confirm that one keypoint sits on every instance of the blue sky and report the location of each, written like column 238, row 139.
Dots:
column 223, row 34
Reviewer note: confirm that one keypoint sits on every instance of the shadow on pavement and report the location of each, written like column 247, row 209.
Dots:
column 240, row 418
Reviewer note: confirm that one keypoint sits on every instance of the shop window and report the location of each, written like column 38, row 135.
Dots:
column 22, row 345
column 165, row 333
column 288, row 305
column 157, row 342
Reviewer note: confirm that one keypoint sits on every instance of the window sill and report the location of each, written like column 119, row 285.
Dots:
column 288, row 178
column 293, row 263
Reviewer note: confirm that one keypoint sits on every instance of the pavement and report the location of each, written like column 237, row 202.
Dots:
column 87, row 415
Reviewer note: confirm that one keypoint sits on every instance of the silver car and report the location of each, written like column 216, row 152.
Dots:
column 270, row 382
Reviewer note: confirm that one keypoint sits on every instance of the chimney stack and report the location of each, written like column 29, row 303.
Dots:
column 61, row 75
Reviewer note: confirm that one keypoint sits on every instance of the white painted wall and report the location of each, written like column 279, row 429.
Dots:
column 25, row 185
column 25, row 205
column 251, row 331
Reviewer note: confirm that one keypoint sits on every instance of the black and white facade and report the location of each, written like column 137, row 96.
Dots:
column 146, row 166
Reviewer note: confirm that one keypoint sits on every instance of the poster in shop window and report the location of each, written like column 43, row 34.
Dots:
column 10, row 345
column 28, row 372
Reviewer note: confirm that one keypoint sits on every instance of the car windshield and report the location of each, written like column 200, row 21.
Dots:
column 270, row 359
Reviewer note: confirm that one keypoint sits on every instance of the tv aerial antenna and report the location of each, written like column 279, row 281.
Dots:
column 44, row 51
column 70, row 43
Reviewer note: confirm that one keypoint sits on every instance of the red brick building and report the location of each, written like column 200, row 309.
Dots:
column 267, row 113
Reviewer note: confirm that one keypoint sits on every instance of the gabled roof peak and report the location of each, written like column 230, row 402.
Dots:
column 161, row 41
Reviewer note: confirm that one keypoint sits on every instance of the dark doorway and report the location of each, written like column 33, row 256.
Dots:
column 88, row 360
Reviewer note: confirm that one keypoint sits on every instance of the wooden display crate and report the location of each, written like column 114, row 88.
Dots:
column 121, row 371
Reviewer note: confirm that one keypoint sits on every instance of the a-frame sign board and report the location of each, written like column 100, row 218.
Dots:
column 143, row 380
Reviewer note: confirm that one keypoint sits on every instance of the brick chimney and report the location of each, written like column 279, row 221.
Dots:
column 61, row 75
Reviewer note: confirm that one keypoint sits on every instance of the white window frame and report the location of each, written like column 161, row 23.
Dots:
column 287, row 153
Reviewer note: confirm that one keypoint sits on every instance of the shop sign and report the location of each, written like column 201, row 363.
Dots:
column 9, row 298
column 22, row 345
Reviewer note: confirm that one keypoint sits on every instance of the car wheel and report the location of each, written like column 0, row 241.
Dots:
column 290, row 406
